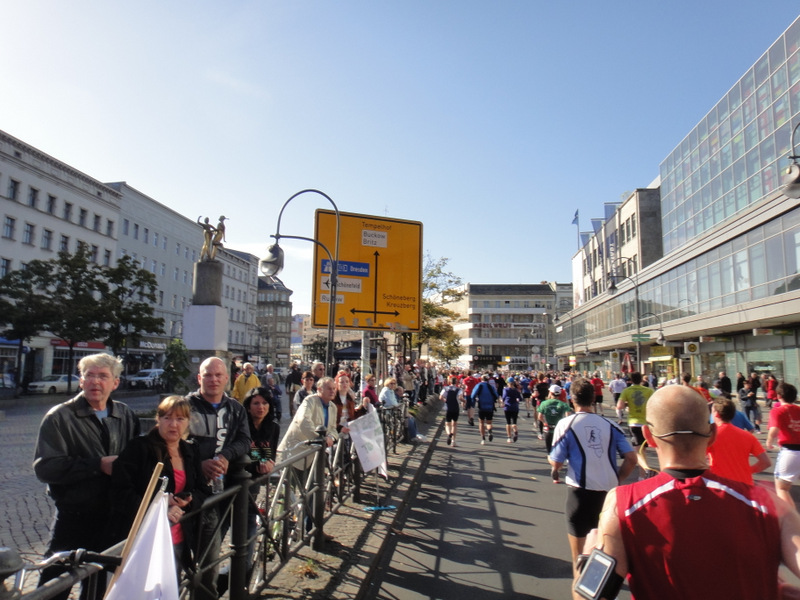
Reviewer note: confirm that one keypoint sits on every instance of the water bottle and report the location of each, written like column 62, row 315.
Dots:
column 218, row 483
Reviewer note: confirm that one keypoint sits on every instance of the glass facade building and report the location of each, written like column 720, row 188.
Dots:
column 729, row 276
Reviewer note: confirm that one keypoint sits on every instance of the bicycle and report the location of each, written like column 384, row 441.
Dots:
column 12, row 564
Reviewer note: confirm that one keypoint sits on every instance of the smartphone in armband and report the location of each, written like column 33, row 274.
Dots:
column 598, row 578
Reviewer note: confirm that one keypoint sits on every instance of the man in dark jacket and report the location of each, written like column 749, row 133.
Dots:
column 78, row 442
column 218, row 425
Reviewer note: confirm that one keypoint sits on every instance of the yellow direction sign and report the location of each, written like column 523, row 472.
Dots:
column 380, row 272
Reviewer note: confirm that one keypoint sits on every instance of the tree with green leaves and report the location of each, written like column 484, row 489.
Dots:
column 24, row 309
column 75, row 287
column 439, row 287
column 176, row 367
column 316, row 349
column 128, row 305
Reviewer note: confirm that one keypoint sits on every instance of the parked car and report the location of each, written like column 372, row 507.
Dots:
column 146, row 378
column 53, row 384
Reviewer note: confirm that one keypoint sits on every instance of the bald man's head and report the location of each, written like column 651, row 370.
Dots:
column 680, row 411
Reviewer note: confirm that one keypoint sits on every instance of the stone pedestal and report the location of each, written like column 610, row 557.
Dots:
column 207, row 285
column 205, row 322
column 205, row 328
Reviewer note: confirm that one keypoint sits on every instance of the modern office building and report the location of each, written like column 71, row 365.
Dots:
column 510, row 326
column 725, row 291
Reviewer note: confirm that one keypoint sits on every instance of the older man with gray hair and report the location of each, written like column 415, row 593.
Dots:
column 78, row 442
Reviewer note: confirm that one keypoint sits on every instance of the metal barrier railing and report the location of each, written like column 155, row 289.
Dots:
column 394, row 423
column 268, row 520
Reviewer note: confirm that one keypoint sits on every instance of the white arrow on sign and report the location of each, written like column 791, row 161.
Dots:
column 344, row 284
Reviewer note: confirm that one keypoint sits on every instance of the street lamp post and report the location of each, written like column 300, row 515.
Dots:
column 272, row 264
column 612, row 289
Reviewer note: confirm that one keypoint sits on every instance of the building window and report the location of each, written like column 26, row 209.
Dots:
column 68, row 211
column 125, row 225
column 164, row 243
column 155, row 239
column 13, row 189
column 5, row 266
column 97, row 222
column 110, row 228
column 93, row 254
column 175, row 274
column 63, row 245
column 9, row 225
column 33, row 197
column 136, row 231
column 185, row 276
column 146, row 238
column 51, row 204
column 107, row 258
column 163, row 269
column 28, row 233
column 160, row 298
column 82, row 217
column 47, row 239
column 153, row 265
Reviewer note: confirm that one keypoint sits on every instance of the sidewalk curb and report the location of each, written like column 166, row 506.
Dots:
column 346, row 566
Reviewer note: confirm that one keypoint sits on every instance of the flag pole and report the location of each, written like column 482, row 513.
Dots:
column 137, row 522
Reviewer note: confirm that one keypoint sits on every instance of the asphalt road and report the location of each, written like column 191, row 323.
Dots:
column 487, row 522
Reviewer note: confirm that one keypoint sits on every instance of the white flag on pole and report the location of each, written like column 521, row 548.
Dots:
column 367, row 435
column 149, row 571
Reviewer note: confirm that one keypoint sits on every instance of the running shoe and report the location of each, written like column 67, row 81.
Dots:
column 471, row 422
column 508, row 440
column 483, row 441
column 529, row 415
column 540, row 436
column 515, row 437
column 449, row 439
column 491, row 437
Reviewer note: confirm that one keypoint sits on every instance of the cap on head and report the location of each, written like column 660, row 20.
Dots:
column 555, row 390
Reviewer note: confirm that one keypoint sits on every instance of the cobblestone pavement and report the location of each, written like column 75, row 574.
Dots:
column 27, row 510
column 338, row 570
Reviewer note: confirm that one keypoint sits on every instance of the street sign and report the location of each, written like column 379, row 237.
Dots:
column 380, row 272
column 640, row 337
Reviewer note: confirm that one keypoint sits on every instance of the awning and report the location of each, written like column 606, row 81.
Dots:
column 352, row 352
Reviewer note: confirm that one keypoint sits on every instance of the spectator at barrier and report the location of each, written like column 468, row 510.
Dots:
column 272, row 385
column 308, row 388
column 388, row 398
column 220, row 429
column 294, row 381
column 747, row 396
column 317, row 410
column 345, row 401
column 370, row 396
column 264, row 435
column 79, row 440
column 246, row 381
column 187, row 487
column 651, row 530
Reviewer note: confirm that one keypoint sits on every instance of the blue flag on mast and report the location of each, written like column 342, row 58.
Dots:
column 575, row 220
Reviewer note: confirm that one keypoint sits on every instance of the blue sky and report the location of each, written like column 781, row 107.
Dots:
column 490, row 122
